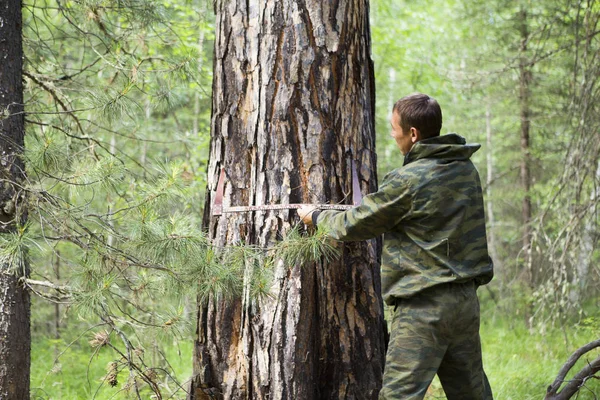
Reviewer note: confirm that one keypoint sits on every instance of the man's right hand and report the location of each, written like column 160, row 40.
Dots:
column 305, row 213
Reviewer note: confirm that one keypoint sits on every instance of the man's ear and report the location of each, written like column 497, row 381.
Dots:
column 415, row 134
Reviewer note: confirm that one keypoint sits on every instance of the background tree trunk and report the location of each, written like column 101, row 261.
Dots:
column 491, row 220
column 14, row 298
column 525, row 77
column 293, row 104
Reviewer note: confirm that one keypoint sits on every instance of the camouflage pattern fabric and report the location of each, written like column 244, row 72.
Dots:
column 436, row 331
column 430, row 211
column 431, row 214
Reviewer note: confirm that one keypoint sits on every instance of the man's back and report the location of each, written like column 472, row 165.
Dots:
column 441, row 237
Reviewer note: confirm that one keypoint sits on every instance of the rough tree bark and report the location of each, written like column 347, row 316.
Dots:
column 14, row 298
column 293, row 104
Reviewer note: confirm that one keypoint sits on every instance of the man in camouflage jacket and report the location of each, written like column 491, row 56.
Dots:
column 435, row 255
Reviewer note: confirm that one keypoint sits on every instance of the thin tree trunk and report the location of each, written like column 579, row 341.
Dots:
column 110, row 239
column 586, row 248
column 14, row 298
column 391, row 88
column 391, row 100
column 488, row 188
column 57, row 304
column 586, row 72
column 143, row 155
column 525, row 174
column 195, row 122
column 293, row 105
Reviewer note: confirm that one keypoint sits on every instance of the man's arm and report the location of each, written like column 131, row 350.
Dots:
column 378, row 212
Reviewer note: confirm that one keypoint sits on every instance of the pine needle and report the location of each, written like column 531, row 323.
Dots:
column 13, row 251
column 262, row 280
column 297, row 248
column 48, row 153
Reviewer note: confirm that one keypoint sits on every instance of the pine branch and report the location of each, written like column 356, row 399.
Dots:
column 58, row 288
column 297, row 248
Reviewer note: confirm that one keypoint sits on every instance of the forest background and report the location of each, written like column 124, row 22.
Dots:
column 118, row 108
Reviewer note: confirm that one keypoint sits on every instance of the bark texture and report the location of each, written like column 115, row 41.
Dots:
column 293, row 104
column 14, row 299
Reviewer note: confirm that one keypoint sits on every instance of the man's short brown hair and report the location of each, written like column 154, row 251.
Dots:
column 421, row 112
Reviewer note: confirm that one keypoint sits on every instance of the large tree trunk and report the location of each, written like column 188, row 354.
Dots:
column 14, row 298
column 293, row 104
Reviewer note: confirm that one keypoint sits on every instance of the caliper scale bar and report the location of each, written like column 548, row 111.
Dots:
column 217, row 208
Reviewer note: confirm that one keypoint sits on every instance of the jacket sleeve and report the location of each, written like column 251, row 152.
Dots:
column 378, row 212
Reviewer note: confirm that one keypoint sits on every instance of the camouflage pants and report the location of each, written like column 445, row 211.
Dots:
column 436, row 331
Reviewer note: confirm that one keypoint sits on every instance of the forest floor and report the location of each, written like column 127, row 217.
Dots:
column 519, row 362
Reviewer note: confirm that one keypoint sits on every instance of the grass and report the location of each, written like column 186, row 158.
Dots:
column 520, row 363
column 77, row 371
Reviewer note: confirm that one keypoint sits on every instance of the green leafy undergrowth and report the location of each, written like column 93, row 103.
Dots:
column 86, row 370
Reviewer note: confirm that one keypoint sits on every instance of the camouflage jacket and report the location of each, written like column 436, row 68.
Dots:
column 430, row 212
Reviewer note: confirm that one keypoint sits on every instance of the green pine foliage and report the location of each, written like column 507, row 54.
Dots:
column 116, row 174
column 14, row 248
column 299, row 249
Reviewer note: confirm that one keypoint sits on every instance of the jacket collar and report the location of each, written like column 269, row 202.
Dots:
column 451, row 147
